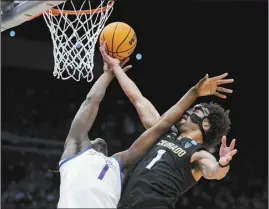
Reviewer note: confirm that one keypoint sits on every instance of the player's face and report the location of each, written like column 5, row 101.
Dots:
column 185, row 123
column 186, row 118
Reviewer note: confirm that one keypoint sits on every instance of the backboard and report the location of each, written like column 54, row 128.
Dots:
column 14, row 13
column 74, row 30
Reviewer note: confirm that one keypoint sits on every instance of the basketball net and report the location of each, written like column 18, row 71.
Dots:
column 74, row 34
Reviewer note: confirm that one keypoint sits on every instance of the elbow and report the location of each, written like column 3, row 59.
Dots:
column 220, row 177
column 222, row 174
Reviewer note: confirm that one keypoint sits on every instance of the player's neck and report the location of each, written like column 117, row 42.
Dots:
column 191, row 135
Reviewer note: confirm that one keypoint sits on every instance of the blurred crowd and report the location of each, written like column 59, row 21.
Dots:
column 38, row 112
column 28, row 183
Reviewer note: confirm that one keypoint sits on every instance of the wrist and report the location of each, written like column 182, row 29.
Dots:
column 108, row 74
column 194, row 91
column 115, row 68
column 223, row 166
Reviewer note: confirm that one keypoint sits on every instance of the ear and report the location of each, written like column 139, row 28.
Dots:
column 206, row 125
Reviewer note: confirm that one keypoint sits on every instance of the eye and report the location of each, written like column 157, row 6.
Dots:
column 199, row 112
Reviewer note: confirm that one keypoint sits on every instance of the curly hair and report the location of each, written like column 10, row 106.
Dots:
column 220, row 124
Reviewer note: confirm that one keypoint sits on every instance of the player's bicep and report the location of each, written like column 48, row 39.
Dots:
column 84, row 118
column 148, row 114
column 77, row 139
column 71, row 148
column 205, row 164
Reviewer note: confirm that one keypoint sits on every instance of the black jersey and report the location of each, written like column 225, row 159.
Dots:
column 161, row 176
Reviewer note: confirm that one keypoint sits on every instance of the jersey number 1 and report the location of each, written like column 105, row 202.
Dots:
column 157, row 158
column 103, row 172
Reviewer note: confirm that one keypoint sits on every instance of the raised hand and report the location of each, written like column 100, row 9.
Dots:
column 122, row 63
column 226, row 153
column 110, row 62
column 210, row 86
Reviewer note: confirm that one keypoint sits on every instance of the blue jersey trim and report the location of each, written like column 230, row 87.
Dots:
column 120, row 165
column 76, row 155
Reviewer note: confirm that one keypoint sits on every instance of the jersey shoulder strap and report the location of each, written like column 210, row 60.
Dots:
column 192, row 146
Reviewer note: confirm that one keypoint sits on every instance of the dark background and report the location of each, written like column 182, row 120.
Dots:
column 179, row 44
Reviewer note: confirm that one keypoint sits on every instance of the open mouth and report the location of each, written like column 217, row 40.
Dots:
column 185, row 117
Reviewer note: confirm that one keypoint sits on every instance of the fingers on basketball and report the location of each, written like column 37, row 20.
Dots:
column 124, row 61
column 120, row 40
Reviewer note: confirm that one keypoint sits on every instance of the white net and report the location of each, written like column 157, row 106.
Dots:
column 74, row 38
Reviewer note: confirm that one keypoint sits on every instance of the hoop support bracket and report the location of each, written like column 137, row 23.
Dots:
column 25, row 11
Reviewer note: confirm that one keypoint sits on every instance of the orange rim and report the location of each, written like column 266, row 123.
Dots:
column 57, row 12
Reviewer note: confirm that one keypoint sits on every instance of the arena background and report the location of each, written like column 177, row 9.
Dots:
column 179, row 45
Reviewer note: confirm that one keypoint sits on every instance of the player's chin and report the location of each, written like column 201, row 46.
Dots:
column 181, row 125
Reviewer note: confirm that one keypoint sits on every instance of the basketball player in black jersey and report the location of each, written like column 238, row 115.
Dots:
column 179, row 158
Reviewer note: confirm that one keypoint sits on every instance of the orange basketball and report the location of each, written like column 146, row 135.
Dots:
column 120, row 39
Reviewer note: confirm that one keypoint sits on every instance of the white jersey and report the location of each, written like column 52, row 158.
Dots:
column 90, row 180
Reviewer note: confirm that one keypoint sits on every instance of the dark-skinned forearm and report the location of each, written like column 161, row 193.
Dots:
column 211, row 169
column 175, row 112
column 98, row 90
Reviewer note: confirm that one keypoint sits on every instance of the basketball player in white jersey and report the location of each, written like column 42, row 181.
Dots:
column 90, row 179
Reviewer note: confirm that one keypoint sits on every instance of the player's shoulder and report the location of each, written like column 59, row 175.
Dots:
column 201, row 154
column 119, row 157
column 69, row 156
column 171, row 133
column 114, row 162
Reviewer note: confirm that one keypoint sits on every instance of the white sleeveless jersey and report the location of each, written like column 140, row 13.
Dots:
column 90, row 180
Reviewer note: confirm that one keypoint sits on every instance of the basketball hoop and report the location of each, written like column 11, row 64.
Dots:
column 74, row 34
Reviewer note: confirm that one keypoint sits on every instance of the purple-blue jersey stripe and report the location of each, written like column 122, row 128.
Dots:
column 103, row 172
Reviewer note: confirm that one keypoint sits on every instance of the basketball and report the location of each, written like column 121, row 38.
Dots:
column 120, row 39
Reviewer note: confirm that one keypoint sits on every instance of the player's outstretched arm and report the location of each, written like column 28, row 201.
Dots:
column 206, row 86
column 209, row 167
column 137, row 150
column 77, row 138
column 148, row 114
